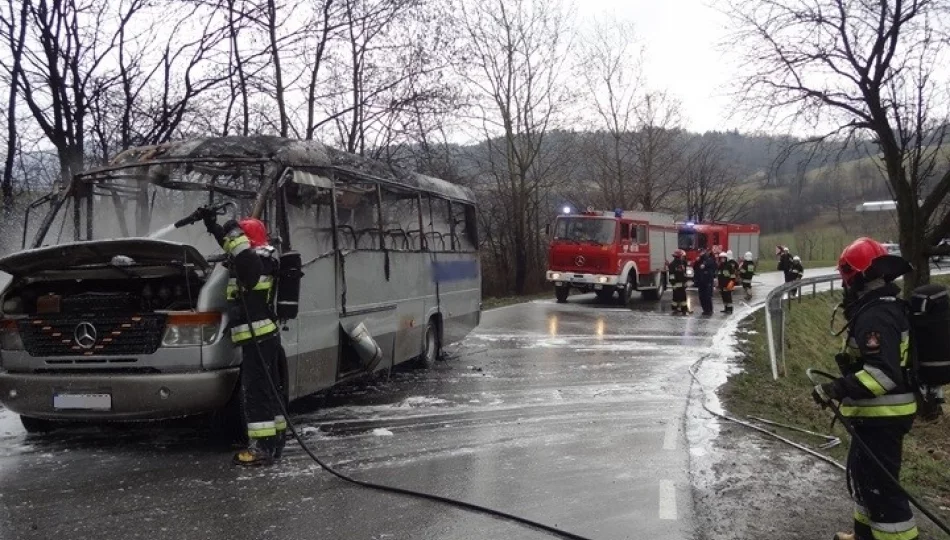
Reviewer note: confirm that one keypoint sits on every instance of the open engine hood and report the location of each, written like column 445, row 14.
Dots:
column 142, row 251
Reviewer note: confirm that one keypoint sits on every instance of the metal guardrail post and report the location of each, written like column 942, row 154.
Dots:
column 775, row 316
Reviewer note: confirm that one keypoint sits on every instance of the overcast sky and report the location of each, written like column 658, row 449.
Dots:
column 682, row 55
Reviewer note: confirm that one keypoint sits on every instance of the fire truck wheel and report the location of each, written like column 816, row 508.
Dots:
column 561, row 294
column 626, row 295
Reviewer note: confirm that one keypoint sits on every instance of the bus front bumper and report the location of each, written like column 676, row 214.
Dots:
column 111, row 396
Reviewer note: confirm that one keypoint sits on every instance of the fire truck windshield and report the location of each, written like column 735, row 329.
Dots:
column 580, row 229
column 690, row 239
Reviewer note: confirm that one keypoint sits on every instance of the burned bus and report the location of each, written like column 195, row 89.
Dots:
column 115, row 314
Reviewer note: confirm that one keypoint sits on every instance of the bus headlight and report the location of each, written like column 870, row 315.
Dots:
column 191, row 329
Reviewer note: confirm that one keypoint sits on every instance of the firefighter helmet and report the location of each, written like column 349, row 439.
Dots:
column 679, row 253
column 796, row 258
column 255, row 230
column 748, row 256
column 730, row 256
column 857, row 259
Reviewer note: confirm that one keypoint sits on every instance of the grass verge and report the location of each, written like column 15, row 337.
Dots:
column 926, row 471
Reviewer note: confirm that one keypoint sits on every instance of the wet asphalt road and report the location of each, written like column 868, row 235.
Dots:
column 573, row 415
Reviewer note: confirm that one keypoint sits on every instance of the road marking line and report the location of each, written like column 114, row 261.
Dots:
column 669, row 439
column 667, row 500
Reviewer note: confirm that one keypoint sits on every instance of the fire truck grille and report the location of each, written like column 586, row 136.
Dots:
column 587, row 264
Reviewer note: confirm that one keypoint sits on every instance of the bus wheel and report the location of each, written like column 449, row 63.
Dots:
column 37, row 425
column 433, row 345
column 561, row 293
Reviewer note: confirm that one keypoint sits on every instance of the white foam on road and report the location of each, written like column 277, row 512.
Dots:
column 667, row 500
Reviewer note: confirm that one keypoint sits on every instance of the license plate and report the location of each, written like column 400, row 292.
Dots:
column 87, row 402
column 558, row 284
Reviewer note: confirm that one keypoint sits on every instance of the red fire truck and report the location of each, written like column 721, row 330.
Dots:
column 611, row 252
column 718, row 237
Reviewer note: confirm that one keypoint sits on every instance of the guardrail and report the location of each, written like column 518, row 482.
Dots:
column 775, row 309
column 776, row 303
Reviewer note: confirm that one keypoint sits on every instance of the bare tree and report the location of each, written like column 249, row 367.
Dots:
column 517, row 52
column 710, row 189
column 659, row 149
column 14, row 30
column 610, row 61
column 861, row 69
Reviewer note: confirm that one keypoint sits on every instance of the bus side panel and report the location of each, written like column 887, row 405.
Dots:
column 314, row 368
column 460, row 293
column 412, row 291
column 372, row 300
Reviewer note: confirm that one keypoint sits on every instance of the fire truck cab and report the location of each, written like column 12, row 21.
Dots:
column 611, row 252
column 717, row 237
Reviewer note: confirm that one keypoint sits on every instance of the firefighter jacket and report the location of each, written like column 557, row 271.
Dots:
column 704, row 271
column 746, row 273
column 253, row 276
column 677, row 272
column 796, row 270
column 785, row 263
column 874, row 357
column 727, row 274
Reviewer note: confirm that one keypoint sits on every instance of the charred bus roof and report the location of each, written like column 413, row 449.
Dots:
column 270, row 155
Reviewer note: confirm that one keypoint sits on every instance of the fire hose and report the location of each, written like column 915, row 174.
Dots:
column 812, row 374
column 471, row 507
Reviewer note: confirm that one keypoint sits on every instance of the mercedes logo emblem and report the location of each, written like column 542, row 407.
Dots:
column 85, row 335
column 580, row 260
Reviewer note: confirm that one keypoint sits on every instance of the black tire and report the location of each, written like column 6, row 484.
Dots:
column 37, row 425
column 561, row 293
column 227, row 423
column 431, row 346
column 605, row 295
column 655, row 294
column 626, row 294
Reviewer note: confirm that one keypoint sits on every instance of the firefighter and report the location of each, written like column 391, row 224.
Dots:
column 704, row 273
column 796, row 271
column 727, row 280
column 874, row 393
column 677, row 273
column 253, row 270
column 785, row 262
column 746, row 273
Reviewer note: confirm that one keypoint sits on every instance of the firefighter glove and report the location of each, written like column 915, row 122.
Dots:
column 844, row 362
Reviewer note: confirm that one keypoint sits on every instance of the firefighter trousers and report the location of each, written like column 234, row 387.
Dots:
column 881, row 511
column 705, row 297
column 726, row 299
column 261, row 410
column 679, row 303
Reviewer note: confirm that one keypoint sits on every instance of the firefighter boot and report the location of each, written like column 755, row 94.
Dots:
column 280, row 444
column 259, row 452
column 844, row 536
column 281, row 440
